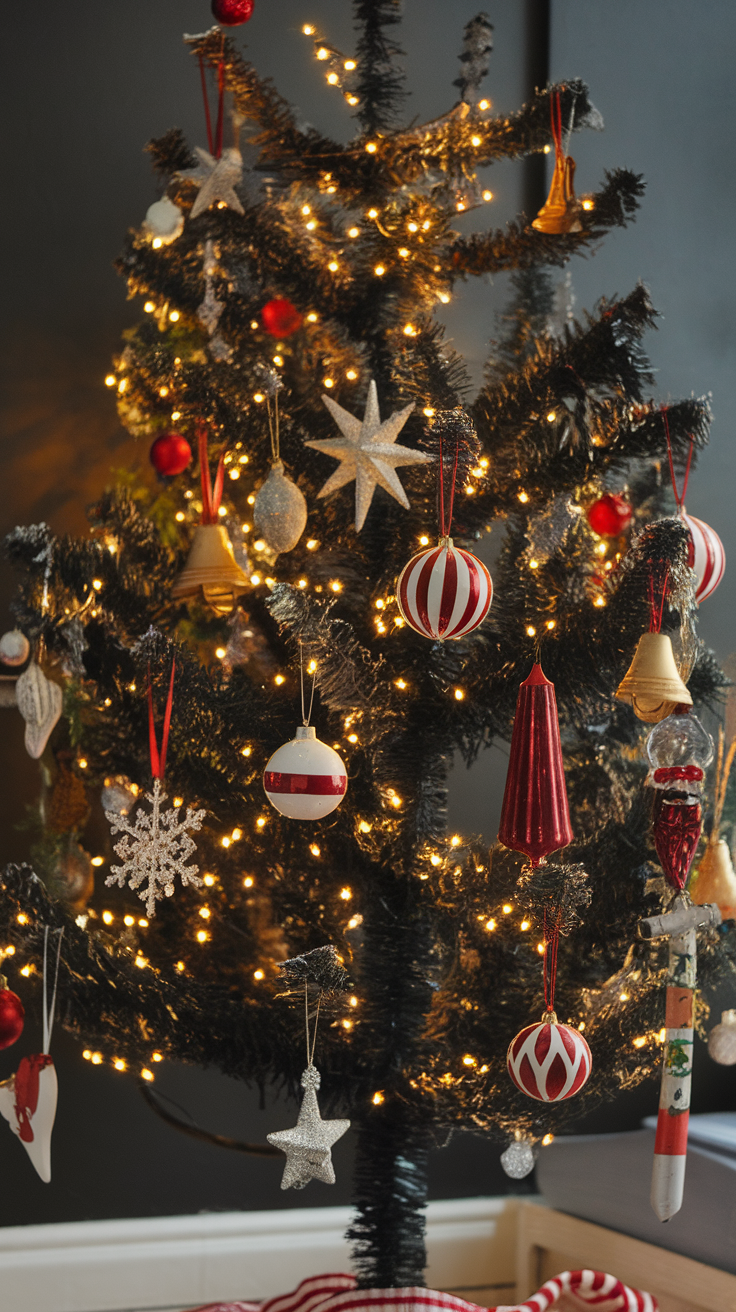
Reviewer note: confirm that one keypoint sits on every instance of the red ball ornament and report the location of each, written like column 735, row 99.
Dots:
column 609, row 515
column 444, row 592
column 231, row 13
column 549, row 1061
column 11, row 1016
column 706, row 557
column 280, row 318
column 170, row 454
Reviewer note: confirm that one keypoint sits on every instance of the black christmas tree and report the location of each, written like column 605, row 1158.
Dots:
column 317, row 271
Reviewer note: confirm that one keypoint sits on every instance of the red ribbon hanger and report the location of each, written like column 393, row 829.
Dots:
column 680, row 499
column 158, row 758
column 214, row 140
column 555, row 114
column 211, row 497
column 551, row 944
column 446, row 519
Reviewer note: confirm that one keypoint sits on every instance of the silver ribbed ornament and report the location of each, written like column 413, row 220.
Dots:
column 518, row 1159
column 39, row 702
column 280, row 510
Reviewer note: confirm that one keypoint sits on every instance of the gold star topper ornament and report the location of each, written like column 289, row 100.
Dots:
column 308, row 1146
column 368, row 453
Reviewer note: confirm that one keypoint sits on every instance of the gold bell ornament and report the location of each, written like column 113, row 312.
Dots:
column 561, row 211
column 211, row 566
column 652, row 683
column 714, row 879
column 279, row 510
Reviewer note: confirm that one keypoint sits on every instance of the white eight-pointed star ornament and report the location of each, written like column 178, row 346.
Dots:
column 368, row 453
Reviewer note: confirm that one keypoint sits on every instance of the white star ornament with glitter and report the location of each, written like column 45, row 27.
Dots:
column 217, row 179
column 368, row 453
column 308, row 1145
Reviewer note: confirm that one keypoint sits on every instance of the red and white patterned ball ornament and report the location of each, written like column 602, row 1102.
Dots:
column 707, row 556
column 549, row 1061
column 305, row 779
column 444, row 592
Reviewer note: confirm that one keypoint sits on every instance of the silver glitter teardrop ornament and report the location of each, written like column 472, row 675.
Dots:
column 280, row 510
column 722, row 1040
column 518, row 1159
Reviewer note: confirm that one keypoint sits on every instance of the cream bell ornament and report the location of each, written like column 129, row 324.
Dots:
column 652, row 683
column 211, row 567
column 561, row 211
column 714, row 879
column 279, row 510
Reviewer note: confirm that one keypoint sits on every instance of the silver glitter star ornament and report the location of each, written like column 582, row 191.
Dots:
column 217, row 179
column 308, row 1146
column 368, row 454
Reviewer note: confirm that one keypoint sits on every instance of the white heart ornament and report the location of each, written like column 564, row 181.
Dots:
column 28, row 1103
column 39, row 702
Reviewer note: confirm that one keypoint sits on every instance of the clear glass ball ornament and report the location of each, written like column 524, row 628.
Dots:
column 722, row 1040
column 679, row 740
column 518, row 1159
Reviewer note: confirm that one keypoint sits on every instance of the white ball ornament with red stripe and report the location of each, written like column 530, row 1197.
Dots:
column 305, row 779
column 444, row 592
column 707, row 556
column 549, row 1061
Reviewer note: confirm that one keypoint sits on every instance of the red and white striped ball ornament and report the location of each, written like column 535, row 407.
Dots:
column 305, row 779
column 444, row 592
column 549, row 1061
column 706, row 557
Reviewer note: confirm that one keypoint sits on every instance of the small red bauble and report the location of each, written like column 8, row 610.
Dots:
column 706, row 556
column 11, row 1017
column 231, row 13
column 609, row 515
column 549, row 1061
column 280, row 318
column 170, row 454
column 444, row 592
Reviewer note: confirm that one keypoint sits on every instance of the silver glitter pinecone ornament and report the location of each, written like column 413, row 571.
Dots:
column 308, row 1146
column 280, row 511
column 518, row 1159
column 722, row 1040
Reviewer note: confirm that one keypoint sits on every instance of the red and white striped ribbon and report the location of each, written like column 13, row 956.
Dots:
column 338, row 1293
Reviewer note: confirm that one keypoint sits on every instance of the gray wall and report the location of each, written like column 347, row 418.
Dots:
column 86, row 85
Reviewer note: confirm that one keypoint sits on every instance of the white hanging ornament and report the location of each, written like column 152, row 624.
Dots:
column 155, row 848
column 14, row 648
column 367, row 453
column 164, row 221
column 722, row 1039
column 28, row 1098
column 518, row 1159
column 279, row 510
column 39, row 702
column 305, row 779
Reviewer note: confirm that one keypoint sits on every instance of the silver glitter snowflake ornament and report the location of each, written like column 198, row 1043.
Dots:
column 308, row 1146
column 154, row 849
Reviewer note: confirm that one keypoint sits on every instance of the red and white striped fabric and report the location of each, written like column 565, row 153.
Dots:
column 338, row 1293
column 550, row 1062
column 444, row 592
column 707, row 556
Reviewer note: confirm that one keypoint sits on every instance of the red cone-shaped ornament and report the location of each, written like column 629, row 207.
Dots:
column 535, row 818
